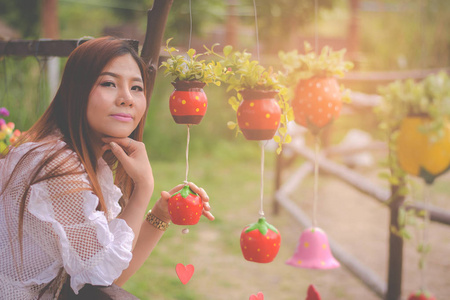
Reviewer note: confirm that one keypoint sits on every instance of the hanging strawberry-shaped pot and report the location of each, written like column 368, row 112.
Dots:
column 260, row 242
column 259, row 114
column 185, row 207
column 421, row 295
column 188, row 102
column 418, row 153
column 317, row 102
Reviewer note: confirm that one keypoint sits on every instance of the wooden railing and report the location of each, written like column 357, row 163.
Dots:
column 390, row 290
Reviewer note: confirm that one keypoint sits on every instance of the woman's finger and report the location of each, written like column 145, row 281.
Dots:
column 208, row 215
column 176, row 189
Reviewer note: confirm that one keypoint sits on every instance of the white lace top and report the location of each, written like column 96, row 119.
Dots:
column 61, row 227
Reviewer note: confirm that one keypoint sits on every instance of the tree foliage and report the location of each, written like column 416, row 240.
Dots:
column 22, row 15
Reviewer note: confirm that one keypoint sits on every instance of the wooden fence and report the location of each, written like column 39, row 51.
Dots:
column 390, row 290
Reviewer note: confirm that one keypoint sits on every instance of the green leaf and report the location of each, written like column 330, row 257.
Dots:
column 227, row 50
column 185, row 191
column 262, row 226
column 191, row 53
column 231, row 125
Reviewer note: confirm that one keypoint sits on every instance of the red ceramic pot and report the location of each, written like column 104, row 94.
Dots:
column 188, row 102
column 258, row 114
column 317, row 102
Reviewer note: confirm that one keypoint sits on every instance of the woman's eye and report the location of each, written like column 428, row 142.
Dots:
column 137, row 88
column 108, row 84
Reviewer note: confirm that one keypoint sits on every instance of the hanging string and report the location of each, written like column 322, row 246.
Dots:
column 316, row 31
column 187, row 154
column 256, row 30
column 316, row 179
column 261, row 210
column 190, row 24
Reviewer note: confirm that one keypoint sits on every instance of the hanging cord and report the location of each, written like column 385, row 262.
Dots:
column 187, row 153
column 316, row 179
column 42, row 88
column 190, row 24
column 256, row 30
column 316, row 30
column 261, row 210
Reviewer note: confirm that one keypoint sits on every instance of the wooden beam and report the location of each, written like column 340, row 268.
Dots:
column 44, row 47
column 366, row 186
column 391, row 75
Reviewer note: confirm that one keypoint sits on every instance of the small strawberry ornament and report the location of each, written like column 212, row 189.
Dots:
column 185, row 207
column 260, row 242
column 317, row 102
column 421, row 295
column 312, row 293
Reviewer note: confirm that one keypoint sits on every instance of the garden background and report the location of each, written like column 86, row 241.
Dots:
column 391, row 35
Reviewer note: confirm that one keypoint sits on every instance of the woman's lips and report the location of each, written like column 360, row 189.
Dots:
column 123, row 117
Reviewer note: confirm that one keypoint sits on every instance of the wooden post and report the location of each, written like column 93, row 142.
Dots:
column 231, row 25
column 50, row 30
column 353, row 30
column 49, row 19
column 156, row 24
column 394, row 288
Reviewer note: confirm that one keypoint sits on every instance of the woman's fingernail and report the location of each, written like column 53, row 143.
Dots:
column 112, row 144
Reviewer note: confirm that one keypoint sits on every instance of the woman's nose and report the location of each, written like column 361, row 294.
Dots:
column 125, row 98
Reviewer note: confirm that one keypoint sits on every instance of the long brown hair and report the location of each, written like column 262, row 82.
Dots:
column 67, row 113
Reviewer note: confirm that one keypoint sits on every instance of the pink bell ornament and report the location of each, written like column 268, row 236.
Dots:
column 313, row 251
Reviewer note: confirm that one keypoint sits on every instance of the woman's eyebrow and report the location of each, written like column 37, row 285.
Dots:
column 118, row 76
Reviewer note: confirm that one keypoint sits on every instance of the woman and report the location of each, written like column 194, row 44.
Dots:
column 60, row 209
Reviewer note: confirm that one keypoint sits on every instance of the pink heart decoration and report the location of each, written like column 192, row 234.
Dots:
column 259, row 296
column 313, row 294
column 184, row 272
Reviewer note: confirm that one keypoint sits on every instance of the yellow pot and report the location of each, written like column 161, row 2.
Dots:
column 418, row 155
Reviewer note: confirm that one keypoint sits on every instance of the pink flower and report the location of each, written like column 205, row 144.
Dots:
column 2, row 122
column 4, row 112
column 16, row 132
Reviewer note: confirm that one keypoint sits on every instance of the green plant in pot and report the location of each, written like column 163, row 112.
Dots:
column 188, row 102
column 314, row 89
column 259, row 99
column 416, row 113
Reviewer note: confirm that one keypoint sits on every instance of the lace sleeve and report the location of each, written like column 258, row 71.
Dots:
column 92, row 249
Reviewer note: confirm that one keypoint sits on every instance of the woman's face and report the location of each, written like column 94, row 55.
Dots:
column 117, row 101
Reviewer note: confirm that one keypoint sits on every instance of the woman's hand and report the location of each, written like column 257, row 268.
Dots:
column 133, row 157
column 161, row 208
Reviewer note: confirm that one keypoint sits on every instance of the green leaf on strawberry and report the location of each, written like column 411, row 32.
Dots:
column 185, row 191
column 262, row 226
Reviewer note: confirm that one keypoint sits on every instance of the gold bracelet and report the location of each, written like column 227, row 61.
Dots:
column 155, row 221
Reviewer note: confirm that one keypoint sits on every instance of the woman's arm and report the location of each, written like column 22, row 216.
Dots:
column 150, row 235
column 133, row 157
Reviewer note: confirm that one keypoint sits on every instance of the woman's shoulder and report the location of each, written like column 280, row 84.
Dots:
column 51, row 152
